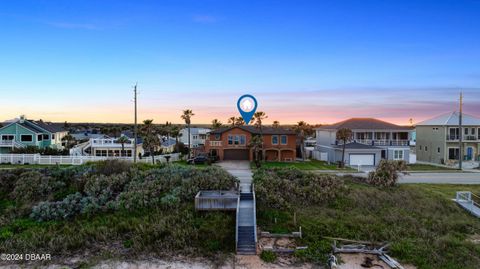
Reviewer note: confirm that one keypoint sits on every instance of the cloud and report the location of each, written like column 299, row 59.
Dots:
column 68, row 25
column 204, row 19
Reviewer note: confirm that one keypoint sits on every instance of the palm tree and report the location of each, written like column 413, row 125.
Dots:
column 232, row 121
column 276, row 124
column 216, row 124
column 150, row 137
column 302, row 129
column 187, row 117
column 256, row 143
column 258, row 118
column 344, row 135
column 239, row 121
column 122, row 140
column 69, row 141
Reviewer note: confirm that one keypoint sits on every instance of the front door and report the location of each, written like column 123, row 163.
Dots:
column 469, row 153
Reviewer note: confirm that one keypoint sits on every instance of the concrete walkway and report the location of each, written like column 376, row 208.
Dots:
column 241, row 170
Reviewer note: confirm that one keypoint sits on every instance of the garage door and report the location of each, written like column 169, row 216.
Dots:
column 362, row 159
column 235, row 154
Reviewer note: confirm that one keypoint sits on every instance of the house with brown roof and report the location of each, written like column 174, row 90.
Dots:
column 372, row 140
column 232, row 143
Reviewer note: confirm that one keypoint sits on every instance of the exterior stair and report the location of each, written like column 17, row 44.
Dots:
column 246, row 225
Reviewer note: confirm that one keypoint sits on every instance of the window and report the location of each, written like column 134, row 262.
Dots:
column 8, row 137
column 453, row 133
column 426, row 148
column 466, row 131
column 283, row 139
column 217, row 136
column 473, row 131
column 398, row 154
column 274, row 139
column 45, row 137
column 26, row 138
column 53, row 136
column 453, row 153
column 420, row 147
column 40, row 137
column 236, row 140
column 195, row 137
column 438, row 149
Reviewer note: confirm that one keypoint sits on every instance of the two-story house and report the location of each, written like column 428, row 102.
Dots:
column 438, row 139
column 197, row 137
column 21, row 133
column 232, row 143
column 371, row 141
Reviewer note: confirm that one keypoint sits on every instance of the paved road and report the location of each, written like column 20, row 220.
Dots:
column 441, row 178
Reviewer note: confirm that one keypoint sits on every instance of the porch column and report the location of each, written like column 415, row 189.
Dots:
column 279, row 158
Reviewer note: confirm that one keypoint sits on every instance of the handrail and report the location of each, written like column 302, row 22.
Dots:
column 254, row 213
column 236, row 226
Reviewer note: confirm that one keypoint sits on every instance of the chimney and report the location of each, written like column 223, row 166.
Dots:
column 22, row 119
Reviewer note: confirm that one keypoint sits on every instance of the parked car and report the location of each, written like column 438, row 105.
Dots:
column 198, row 160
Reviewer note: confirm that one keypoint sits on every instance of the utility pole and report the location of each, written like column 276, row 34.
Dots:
column 135, row 128
column 460, row 138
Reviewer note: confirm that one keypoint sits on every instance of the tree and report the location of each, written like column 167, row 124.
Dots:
column 122, row 140
column 239, row 121
column 256, row 143
column 258, row 118
column 187, row 117
column 216, row 124
column 175, row 133
column 69, row 141
column 302, row 129
column 276, row 124
column 232, row 121
column 150, row 138
column 344, row 135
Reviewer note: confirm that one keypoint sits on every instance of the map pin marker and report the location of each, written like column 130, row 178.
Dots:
column 247, row 105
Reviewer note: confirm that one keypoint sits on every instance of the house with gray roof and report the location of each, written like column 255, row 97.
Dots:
column 22, row 132
column 372, row 140
column 197, row 137
column 438, row 139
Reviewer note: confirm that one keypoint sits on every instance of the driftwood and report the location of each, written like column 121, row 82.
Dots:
column 364, row 249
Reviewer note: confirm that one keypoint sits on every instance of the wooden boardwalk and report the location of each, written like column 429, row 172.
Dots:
column 466, row 200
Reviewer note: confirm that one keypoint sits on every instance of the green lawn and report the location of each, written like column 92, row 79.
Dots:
column 307, row 165
column 428, row 167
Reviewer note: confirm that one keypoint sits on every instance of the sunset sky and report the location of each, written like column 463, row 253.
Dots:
column 318, row 61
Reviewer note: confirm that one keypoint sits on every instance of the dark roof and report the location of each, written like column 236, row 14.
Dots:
column 255, row 130
column 51, row 127
column 32, row 127
column 355, row 145
column 365, row 123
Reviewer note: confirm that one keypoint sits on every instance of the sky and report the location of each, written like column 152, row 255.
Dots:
column 317, row 61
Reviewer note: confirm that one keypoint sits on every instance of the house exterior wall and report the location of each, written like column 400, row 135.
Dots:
column 286, row 152
column 18, row 130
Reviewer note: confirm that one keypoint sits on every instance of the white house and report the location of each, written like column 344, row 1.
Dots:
column 197, row 136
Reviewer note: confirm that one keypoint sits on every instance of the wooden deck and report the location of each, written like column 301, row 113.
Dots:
column 217, row 200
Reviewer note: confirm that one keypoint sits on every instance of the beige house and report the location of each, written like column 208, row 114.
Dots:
column 438, row 139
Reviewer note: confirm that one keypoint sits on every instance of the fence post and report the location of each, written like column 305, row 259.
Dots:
column 23, row 158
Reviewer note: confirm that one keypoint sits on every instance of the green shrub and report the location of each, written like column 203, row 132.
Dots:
column 283, row 188
column 268, row 256
column 386, row 174
column 110, row 167
column 34, row 186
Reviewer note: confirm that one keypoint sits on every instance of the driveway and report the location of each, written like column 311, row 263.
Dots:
column 241, row 170
column 441, row 178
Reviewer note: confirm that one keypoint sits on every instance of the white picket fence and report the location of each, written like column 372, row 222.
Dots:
column 76, row 160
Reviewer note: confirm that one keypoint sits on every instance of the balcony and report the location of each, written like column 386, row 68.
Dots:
column 10, row 144
column 215, row 143
column 464, row 138
column 383, row 142
column 110, row 143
